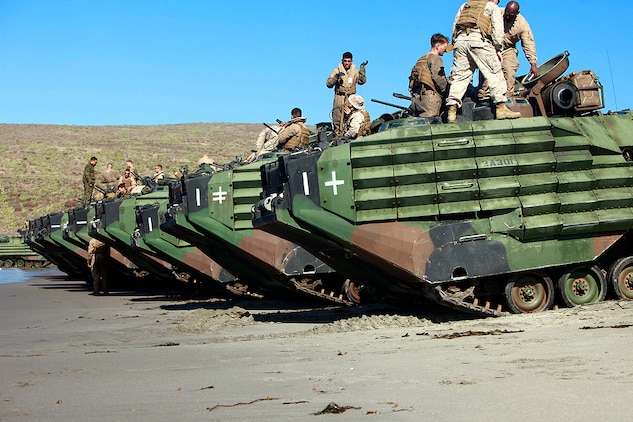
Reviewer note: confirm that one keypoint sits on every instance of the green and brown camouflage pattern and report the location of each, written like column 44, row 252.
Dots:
column 15, row 253
column 189, row 262
column 218, row 209
column 115, row 222
column 421, row 205
column 76, row 232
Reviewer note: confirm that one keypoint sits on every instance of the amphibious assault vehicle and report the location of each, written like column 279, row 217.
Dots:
column 213, row 212
column 485, row 216
column 15, row 253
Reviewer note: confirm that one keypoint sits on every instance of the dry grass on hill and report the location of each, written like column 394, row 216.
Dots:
column 41, row 165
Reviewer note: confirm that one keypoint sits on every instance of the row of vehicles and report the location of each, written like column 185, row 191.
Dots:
column 486, row 216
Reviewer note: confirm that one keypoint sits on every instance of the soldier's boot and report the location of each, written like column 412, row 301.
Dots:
column 452, row 113
column 504, row 113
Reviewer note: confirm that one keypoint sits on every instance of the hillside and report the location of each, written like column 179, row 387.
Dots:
column 41, row 165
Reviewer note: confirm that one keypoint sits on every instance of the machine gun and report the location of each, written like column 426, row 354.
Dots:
column 389, row 104
column 270, row 127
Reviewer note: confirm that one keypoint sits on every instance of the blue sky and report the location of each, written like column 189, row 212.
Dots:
column 161, row 62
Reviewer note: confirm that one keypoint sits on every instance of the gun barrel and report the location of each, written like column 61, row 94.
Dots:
column 269, row 127
column 401, row 96
column 389, row 104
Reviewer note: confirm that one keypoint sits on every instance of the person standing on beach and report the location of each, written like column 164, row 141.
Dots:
column 98, row 253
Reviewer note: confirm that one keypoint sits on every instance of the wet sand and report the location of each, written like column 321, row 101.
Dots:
column 139, row 356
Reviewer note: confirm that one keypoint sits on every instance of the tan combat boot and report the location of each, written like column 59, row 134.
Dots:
column 452, row 114
column 504, row 113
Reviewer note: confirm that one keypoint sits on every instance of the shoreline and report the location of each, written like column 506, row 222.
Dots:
column 138, row 356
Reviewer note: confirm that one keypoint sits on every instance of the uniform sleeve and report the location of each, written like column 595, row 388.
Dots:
column 356, row 121
column 332, row 79
column 288, row 132
column 438, row 74
column 362, row 76
column 459, row 11
column 261, row 139
column 527, row 41
column 497, row 25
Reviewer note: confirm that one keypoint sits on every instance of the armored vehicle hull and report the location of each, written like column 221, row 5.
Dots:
column 189, row 262
column 218, row 206
column 76, row 232
column 15, row 253
column 114, row 223
column 45, row 237
column 478, row 215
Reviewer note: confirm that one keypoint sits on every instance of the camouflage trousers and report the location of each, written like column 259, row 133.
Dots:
column 509, row 66
column 99, row 272
column 426, row 104
column 471, row 52
column 87, row 193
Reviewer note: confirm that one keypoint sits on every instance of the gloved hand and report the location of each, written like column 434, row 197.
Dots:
column 340, row 74
column 363, row 64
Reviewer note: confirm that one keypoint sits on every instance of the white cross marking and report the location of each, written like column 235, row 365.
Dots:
column 334, row 183
column 219, row 195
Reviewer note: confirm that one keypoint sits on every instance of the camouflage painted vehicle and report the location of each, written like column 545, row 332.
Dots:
column 115, row 222
column 189, row 262
column 43, row 235
column 15, row 253
column 213, row 211
column 482, row 216
column 76, row 232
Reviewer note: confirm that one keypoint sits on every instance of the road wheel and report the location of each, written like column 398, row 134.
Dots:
column 621, row 278
column 529, row 292
column 353, row 291
column 582, row 285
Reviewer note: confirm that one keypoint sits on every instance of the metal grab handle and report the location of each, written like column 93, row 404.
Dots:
column 462, row 141
column 447, row 185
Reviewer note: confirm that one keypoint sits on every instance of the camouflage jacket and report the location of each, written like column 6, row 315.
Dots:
column 519, row 30
column 89, row 175
column 346, row 84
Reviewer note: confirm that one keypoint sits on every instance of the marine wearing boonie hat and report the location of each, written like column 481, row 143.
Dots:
column 357, row 101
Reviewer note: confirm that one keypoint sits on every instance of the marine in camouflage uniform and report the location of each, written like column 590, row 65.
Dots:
column 294, row 133
column 267, row 140
column 516, row 28
column 110, row 177
column 344, row 79
column 478, row 35
column 428, row 84
column 128, row 179
column 358, row 123
column 88, row 179
column 98, row 253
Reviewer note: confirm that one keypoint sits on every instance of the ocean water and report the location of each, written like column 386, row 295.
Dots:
column 15, row 275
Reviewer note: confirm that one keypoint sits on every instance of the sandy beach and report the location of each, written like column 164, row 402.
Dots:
column 66, row 355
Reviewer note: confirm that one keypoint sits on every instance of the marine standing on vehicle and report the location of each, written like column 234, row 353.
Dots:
column 478, row 37
column 89, row 180
column 428, row 83
column 517, row 28
column 344, row 79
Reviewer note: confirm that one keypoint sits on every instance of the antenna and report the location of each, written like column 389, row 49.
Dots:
column 612, row 84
